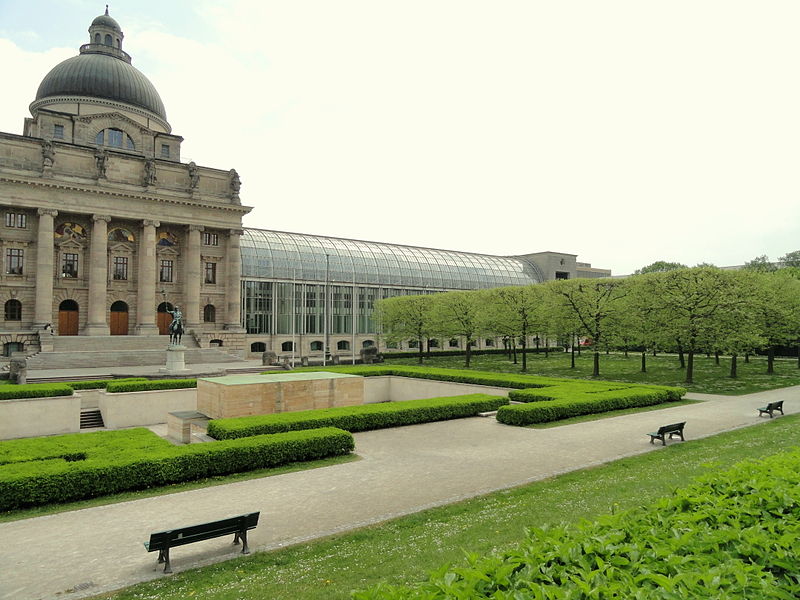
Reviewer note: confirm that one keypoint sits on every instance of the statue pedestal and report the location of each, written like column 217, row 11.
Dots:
column 175, row 360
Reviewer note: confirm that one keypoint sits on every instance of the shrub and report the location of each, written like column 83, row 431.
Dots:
column 358, row 418
column 98, row 384
column 34, row 390
column 729, row 535
column 74, row 466
column 127, row 385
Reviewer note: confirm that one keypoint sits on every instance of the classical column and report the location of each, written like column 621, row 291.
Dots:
column 233, row 287
column 146, row 305
column 98, row 277
column 191, row 278
column 43, row 308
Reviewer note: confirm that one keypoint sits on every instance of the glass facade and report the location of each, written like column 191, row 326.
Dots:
column 293, row 282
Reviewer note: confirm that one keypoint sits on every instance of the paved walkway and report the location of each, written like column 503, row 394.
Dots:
column 403, row 470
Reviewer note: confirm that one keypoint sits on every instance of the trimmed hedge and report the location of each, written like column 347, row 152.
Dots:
column 75, row 466
column 127, row 385
column 729, row 535
column 565, row 403
column 34, row 390
column 388, row 353
column 98, row 384
column 364, row 417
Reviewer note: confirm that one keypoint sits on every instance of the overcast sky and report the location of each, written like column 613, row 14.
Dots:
column 623, row 131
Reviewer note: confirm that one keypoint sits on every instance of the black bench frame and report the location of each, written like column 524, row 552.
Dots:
column 771, row 407
column 164, row 540
column 661, row 434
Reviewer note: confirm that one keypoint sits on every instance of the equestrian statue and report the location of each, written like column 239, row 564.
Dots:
column 176, row 327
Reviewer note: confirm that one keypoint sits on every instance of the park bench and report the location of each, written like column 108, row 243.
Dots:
column 661, row 434
column 770, row 408
column 164, row 540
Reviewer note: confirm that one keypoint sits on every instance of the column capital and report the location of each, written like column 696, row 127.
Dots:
column 235, row 231
column 151, row 223
column 51, row 212
column 105, row 218
column 196, row 228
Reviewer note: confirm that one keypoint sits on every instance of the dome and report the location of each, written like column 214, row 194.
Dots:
column 101, row 75
column 106, row 21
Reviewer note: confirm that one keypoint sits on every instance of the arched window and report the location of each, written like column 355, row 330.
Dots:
column 209, row 313
column 287, row 346
column 10, row 347
column 434, row 343
column 258, row 347
column 413, row 343
column 108, row 40
column 316, row 346
column 215, row 343
column 116, row 138
column 454, row 343
column 343, row 345
column 96, row 38
column 13, row 310
column 367, row 344
column 489, row 342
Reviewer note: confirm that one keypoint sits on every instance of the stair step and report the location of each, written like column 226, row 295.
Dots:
column 91, row 419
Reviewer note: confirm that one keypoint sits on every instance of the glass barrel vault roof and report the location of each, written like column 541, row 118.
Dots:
column 281, row 255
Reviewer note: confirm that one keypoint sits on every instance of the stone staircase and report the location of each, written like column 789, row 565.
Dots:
column 73, row 352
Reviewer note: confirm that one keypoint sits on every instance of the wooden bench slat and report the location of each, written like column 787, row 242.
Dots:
column 673, row 429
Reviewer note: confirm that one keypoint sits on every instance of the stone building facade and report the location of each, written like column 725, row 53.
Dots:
column 103, row 228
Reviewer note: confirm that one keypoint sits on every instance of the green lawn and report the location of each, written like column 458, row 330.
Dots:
column 403, row 550
column 709, row 378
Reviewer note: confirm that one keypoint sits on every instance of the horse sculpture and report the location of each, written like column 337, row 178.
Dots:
column 176, row 327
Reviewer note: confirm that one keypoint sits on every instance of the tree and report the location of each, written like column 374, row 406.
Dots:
column 406, row 317
column 696, row 306
column 660, row 266
column 516, row 311
column 778, row 312
column 791, row 259
column 760, row 264
column 457, row 314
column 592, row 302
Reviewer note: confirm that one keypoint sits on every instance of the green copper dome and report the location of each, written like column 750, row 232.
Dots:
column 100, row 75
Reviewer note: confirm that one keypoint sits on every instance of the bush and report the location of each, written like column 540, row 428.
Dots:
column 74, row 466
column 563, row 403
column 34, row 390
column 129, row 385
column 98, row 384
column 729, row 535
column 358, row 418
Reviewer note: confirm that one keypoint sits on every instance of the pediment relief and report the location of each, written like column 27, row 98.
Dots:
column 70, row 244
column 121, row 248
column 113, row 118
column 167, row 251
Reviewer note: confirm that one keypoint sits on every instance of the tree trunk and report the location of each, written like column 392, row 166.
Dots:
column 626, row 352
column 572, row 358
column 469, row 354
column 524, row 356
column 690, row 367
column 644, row 361
column 546, row 348
column 716, row 357
column 733, row 374
column 421, row 351
column 747, row 358
column 654, row 351
column 514, row 350
column 428, row 348
column 680, row 356
column 596, row 368
column 771, row 360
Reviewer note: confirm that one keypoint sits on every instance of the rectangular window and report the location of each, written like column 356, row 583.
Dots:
column 19, row 220
column 164, row 151
column 14, row 261
column 211, row 272
column 120, row 268
column 562, row 275
column 210, row 239
column 166, row 271
column 69, row 265
column 58, row 132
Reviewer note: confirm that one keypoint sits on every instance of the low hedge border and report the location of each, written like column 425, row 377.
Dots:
column 116, row 387
column 98, row 384
column 34, row 390
column 138, row 459
column 364, row 417
column 555, row 409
